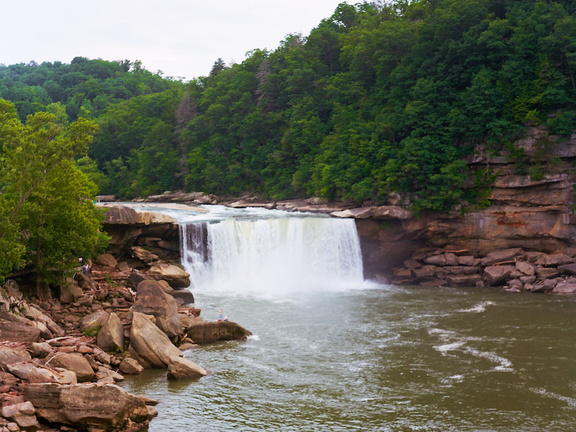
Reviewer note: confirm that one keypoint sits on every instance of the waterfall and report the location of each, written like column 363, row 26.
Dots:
column 272, row 255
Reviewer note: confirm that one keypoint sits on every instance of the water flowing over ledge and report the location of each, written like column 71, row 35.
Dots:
column 271, row 254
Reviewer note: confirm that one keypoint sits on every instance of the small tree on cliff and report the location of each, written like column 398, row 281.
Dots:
column 47, row 213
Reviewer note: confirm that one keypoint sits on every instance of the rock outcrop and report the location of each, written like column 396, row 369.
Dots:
column 203, row 332
column 150, row 345
column 92, row 407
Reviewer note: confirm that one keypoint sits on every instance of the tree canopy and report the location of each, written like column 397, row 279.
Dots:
column 380, row 99
column 47, row 214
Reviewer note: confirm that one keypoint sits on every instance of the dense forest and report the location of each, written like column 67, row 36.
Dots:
column 378, row 99
column 381, row 99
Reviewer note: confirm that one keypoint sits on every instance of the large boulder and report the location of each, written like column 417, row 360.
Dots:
column 91, row 407
column 152, row 300
column 111, row 335
column 93, row 322
column 181, row 368
column 498, row 275
column 174, row 275
column 130, row 366
column 17, row 329
column 74, row 362
column 148, row 344
column 214, row 331
column 183, row 297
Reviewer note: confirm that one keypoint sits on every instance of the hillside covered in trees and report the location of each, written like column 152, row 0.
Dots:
column 379, row 99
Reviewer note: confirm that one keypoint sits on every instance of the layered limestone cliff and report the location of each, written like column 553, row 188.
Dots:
column 531, row 208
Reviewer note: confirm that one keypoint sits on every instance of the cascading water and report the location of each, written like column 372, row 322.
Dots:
column 272, row 255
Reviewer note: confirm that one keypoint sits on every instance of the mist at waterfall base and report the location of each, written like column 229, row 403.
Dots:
column 332, row 352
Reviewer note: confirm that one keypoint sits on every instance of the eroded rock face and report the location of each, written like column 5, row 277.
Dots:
column 89, row 406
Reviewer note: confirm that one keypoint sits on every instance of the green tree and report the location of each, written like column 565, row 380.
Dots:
column 45, row 197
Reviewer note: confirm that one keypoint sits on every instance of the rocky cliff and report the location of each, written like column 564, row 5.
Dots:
column 530, row 209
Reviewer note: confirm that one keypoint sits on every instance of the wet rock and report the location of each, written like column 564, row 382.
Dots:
column 463, row 280
column 515, row 284
column 567, row 286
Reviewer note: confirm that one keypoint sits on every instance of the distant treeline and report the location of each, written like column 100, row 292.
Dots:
column 379, row 99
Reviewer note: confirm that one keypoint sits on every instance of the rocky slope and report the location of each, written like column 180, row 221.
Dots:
column 61, row 356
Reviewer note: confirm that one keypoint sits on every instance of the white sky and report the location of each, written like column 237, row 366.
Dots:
column 181, row 38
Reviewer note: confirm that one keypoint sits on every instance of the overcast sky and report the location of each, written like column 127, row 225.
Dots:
column 181, row 38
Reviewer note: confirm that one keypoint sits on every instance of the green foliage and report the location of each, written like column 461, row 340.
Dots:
column 92, row 331
column 48, row 217
column 380, row 98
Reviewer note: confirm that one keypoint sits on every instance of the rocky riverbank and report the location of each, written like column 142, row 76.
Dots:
column 61, row 356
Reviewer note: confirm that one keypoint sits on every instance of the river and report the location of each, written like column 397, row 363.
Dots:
column 345, row 354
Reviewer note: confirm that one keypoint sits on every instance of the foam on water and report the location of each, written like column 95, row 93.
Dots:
column 479, row 308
